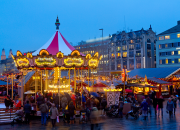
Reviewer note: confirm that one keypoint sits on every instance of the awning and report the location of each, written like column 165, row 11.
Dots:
column 27, row 77
column 140, row 85
column 158, row 81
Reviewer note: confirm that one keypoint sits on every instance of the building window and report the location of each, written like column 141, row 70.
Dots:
column 118, row 55
column 112, row 55
column 124, row 48
column 148, row 46
column 163, row 61
column 138, row 46
column 166, row 61
column 131, row 41
column 172, row 61
column 118, row 48
column 112, row 49
column 124, row 54
column 131, row 53
column 131, row 64
column 176, row 61
column 161, row 38
column 160, row 46
column 167, row 37
column 172, row 52
column 166, row 45
column 170, row 45
column 118, row 64
column 178, row 35
column 169, row 61
column 124, row 42
column 138, row 53
column 131, row 47
column 148, row 41
column 160, row 61
column 163, row 46
column 138, row 63
column 125, row 64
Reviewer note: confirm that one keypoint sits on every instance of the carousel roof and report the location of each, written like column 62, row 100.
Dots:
column 57, row 43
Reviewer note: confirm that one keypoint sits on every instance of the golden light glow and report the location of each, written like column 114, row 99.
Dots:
column 19, row 53
column 55, row 91
column 167, row 37
column 29, row 55
column 22, row 62
column 14, row 60
column 96, row 54
column 45, row 61
column 166, row 61
column 73, row 61
column 75, row 52
column 101, row 57
column 124, row 54
column 37, row 77
column 56, row 74
column 93, row 63
column 178, row 35
column 43, row 52
column 112, row 90
column 59, row 55
column 57, row 86
column 88, row 56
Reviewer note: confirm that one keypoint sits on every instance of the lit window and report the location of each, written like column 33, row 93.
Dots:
column 166, row 45
column 79, row 47
column 112, row 55
column 104, row 62
column 118, row 54
column 167, row 37
column 132, row 41
column 178, row 52
column 124, row 48
column 178, row 35
column 173, row 61
column 160, row 61
column 160, row 46
column 172, row 52
column 161, row 38
column 166, row 61
column 124, row 54
column 179, row 59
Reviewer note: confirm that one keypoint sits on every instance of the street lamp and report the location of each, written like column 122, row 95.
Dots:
column 102, row 44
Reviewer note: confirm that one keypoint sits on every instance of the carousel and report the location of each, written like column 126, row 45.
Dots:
column 50, row 60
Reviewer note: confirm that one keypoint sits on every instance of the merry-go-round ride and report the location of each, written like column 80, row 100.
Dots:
column 55, row 56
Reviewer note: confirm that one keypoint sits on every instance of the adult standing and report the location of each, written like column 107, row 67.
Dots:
column 174, row 99
column 149, row 101
column 160, row 105
column 44, row 109
column 144, row 106
column 53, row 114
column 7, row 102
column 27, row 110
column 169, row 107
column 40, row 100
column 121, row 104
column 71, row 110
column 155, row 104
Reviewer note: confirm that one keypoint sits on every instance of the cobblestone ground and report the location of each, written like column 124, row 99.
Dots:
column 152, row 123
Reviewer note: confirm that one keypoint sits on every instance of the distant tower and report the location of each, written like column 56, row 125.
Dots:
column 3, row 56
column 57, row 23
column 10, row 52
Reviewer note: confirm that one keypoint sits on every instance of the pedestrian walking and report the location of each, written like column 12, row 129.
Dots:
column 44, row 109
column 155, row 104
column 174, row 99
column 121, row 104
column 144, row 106
column 160, row 106
column 71, row 110
column 170, row 107
column 53, row 114
column 27, row 111
column 149, row 101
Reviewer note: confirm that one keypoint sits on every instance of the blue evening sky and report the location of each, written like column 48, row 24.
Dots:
column 26, row 25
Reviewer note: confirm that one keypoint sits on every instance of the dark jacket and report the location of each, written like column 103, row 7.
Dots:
column 175, row 102
column 43, row 108
column 170, row 106
column 160, row 102
column 56, row 100
column 154, row 102
column 27, row 108
column 149, row 101
column 103, row 103
column 7, row 102
column 40, row 100
column 71, row 109
column 144, row 105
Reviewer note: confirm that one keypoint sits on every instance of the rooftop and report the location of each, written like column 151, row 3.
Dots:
column 172, row 30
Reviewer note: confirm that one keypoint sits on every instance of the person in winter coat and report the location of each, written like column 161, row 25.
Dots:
column 64, row 103
column 174, row 99
column 155, row 104
column 7, row 102
column 103, row 104
column 121, row 104
column 160, row 105
column 44, row 109
column 40, row 100
column 27, row 110
column 56, row 101
column 71, row 110
column 144, row 106
column 149, row 101
column 170, row 107
column 53, row 114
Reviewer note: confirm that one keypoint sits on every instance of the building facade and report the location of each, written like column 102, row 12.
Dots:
column 168, row 47
column 132, row 50
column 100, row 46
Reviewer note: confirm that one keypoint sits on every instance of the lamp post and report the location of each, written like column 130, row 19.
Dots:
column 102, row 43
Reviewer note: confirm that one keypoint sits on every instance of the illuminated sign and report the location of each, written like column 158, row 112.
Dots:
column 37, row 77
column 73, row 61
column 45, row 61
column 22, row 62
column 93, row 63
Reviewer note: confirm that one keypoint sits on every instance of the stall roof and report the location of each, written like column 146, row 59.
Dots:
column 27, row 77
column 3, row 83
column 158, row 81
column 154, row 72
column 141, row 85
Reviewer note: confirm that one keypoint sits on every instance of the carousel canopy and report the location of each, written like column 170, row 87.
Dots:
column 27, row 77
column 57, row 43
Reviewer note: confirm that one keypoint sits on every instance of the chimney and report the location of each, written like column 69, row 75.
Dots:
column 178, row 22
